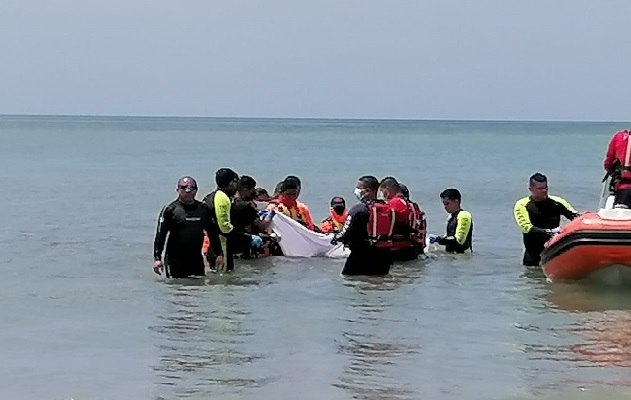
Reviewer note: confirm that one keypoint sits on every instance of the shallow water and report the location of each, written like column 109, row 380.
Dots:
column 85, row 317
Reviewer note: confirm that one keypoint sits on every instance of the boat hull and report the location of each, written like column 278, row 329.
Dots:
column 590, row 246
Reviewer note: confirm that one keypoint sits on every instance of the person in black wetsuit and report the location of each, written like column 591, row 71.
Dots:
column 459, row 232
column 220, row 204
column 365, row 258
column 245, row 218
column 184, row 221
column 538, row 216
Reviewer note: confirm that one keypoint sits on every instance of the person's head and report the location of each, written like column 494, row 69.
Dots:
column 246, row 186
column 404, row 191
column 186, row 189
column 538, row 186
column 261, row 195
column 338, row 205
column 297, row 180
column 226, row 180
column 388, row 188
column 277, row 189
column 366, row 187
column 289, row 191
column 451, row 200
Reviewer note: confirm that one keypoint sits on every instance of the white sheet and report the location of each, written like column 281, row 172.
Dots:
column 298, row 241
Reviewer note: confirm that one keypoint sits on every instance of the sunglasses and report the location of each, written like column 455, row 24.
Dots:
column 188, row 187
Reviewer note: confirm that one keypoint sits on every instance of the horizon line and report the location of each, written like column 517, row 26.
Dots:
column 302, row 118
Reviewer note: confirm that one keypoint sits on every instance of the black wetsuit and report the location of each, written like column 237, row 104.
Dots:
column 234, row 238
column 534, row 217
column 243, row 214
column 364, row 259
column 184, row 224
column 459, row 235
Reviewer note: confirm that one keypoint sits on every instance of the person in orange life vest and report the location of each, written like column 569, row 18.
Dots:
column 337, row 216
column 287, row 203
column 302, row 206
column 367, row 257
column 403, row 248
column 418, row 222
column 618, row 164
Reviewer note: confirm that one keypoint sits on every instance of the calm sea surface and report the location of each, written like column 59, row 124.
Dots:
column 84, row 317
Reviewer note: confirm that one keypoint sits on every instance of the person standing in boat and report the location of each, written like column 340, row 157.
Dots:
column 618, row 165
column 538, row 216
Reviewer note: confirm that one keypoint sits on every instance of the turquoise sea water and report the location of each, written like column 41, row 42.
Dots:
column 84, row 317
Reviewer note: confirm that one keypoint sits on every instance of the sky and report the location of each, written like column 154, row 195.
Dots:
column 396, row 59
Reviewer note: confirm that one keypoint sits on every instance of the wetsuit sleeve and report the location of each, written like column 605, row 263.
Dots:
column 463, row 226
column 222, row 213
column 164, row 225
column 566, row 208
column 521, row 215
column 349, row 225
column 213, row 234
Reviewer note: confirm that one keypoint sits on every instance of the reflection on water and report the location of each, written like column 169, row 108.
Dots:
column 374, row 341
column 434, row 328
column 603, row 329
column 201, row 336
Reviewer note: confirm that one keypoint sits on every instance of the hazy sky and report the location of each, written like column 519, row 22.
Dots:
column 469, row 59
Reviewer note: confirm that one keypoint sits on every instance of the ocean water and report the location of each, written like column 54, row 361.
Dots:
column 84, row 317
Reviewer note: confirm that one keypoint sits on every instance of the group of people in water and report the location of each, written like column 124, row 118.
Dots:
column 384, row 226
column 234, row 220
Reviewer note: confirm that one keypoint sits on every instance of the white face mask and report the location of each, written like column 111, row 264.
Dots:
column 359, row 193
column 261, row 205
column 381, row 196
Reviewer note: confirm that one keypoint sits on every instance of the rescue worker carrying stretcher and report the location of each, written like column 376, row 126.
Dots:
column 367, row 232
column 403, row 248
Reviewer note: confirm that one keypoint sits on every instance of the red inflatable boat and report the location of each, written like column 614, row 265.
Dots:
column 593, row 243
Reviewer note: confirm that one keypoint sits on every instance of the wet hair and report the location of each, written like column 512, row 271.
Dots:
column 246, row 182
column 370, row 182
column 294, row 177
column 537, row 177
column 389, row 183
column 451, row 194
column 291, row 182
column 404, row 191
column 224, row 177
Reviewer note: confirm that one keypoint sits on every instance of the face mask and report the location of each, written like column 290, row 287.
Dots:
column 358, row 193
column 261, row 205
column 381, row 196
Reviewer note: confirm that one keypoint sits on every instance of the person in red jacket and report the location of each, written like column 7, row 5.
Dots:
column 618, row 165
column 403, row 248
